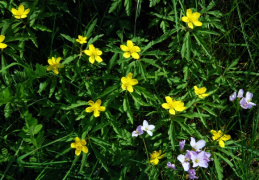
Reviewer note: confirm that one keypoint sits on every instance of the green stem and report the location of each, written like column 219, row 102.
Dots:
column 146, row 150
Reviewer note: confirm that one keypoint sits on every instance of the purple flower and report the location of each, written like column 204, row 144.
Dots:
column 246, row 102
column 199, row 159
column 197, row 146
column 172, row 166
column 207, row 156
column 184, row 159
column 181, row 144
column 192, row 174
column 233, row 96
column 147, row 127
column 240, row 93
column 138, row 131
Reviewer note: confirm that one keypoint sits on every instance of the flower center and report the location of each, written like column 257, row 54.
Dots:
column 186, row 160
column 197, row 160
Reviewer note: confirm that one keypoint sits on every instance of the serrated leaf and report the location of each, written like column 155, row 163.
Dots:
column 69, row 59
column 115, row 5
column 67, row 37
column 101, row 158
column 218, row 167
column 41, row 27
column 126, row 108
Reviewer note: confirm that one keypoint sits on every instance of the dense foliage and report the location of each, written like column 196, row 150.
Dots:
column 129, row 89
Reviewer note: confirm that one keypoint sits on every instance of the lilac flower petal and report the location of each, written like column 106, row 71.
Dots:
column 243, row 103
column 134, row 134
column 151, row 127
column 145, row 123
column 181, row 144
column 240, row 93
column 249, row 96
column 139, row 129
column 200, row 144
column 186, row 166
column 150, row 133
column 193, row 142
column 192, row 174
column 181, row 158
column 172, row 166
column 233, row 96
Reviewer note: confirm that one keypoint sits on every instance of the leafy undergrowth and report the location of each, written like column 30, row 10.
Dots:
column 124, row 89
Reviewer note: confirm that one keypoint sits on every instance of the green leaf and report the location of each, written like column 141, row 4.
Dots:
column 218, row 167
column 115, row 5
column 126, row 108
column 202, row 44
column 206, row 108
column 75, row 105
column 37, row 129
column 101, row 158
column 171, row 133
column 40, row 27
column 137, row 98
column 99, row 141
column 67, row 37
column 186, row 48
column 90, row 29
column 99, row 126
column 225, row 159
column 69, row 59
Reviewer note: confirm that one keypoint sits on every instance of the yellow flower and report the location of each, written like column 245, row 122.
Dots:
column 81, row 39
column 2, row 45
column 192, row 18
column 20, row 13
column 79, row 145
column 128, row 82
column 155, row 156
column 54, row 64
column 95, row 107
column 173, row 105
column 130, row 50
column 94, row 54
column 200, row 92
column 220, row 137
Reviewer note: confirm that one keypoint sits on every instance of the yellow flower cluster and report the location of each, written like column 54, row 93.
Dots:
column 220, row 137
column 192, row 18
column 20, row 13
column 79, row 145
column 173, row 105
column 155, row 156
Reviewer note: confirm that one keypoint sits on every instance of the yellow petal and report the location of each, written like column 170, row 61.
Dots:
column 189, row 13
column 90, row 102
column 96, row 113
column 87, row 52
column 213, row 132
column 185, row 19
column 83, row 142
column 226, row 137
column 133, row 81
column 126, row 54
column 123, row 86
column 2, row 45
column 55, row 71
column 136, row 49
column 221, row 143
column 77, row 152
column 2, row 37
column 98, row 59
column 135, row 55
column 124, row 48
column 89, row 109
column 166, row 106
column 58, row 60
column 172, row 111
column 77, row 140
column 130, row 88
column 85, row 149
column 123, row 80
column 98, row 102
column 23, row 16
column 101, row 108
column 190, row 25
column 91, row 48
column 130, row 44
column 98, row 52
column 73, row 145
column 129, row 76
column 154, row 161
column 168, row 100
column 179, row 108
column 49, row 68
column 197, row 23
column 91, row 59
column 205, row 95
column 14, row 11
column 21, row 8
column 196, row 15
